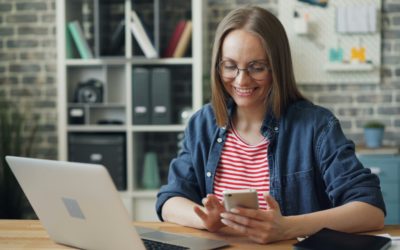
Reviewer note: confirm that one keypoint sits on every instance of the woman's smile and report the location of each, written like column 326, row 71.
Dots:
column 244, row 92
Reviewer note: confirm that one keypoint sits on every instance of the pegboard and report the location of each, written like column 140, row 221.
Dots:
column 311, row 50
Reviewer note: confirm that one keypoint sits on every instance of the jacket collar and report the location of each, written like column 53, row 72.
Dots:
column 269, row 127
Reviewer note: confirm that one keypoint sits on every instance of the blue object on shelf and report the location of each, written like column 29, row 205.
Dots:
column 373, row 137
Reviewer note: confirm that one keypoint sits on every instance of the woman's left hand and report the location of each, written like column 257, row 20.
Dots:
column 262, row 226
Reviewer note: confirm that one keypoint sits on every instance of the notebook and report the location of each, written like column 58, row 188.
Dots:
column 329, row 239
column 79, row 206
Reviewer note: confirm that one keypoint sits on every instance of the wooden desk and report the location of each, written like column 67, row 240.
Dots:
column 29, row 234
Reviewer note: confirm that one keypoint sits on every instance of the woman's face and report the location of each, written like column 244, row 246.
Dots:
column 244, row 49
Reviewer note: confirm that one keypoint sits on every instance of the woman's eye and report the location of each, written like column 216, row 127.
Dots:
column 257, row 67
column 230, row 67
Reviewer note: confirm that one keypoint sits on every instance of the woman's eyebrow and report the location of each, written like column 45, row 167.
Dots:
column 227, row 59
column 251, row 61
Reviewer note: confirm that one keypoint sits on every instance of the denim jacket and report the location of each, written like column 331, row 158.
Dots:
column 312, row 165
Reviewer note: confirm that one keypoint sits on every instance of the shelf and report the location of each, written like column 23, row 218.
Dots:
column 385, row 150
column 134, row 61
column 348, row 67
column 119, row 128
column 97, row 105
column 96, row 128
column 160, row 61
column 97, row 61
column 158, row 128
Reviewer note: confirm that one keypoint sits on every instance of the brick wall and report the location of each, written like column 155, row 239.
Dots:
column 28, row 70
column 354, row 104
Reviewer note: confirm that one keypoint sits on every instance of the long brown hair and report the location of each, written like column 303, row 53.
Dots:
column 262, row 23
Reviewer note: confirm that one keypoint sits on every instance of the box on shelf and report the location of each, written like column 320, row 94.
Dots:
column 107, row 149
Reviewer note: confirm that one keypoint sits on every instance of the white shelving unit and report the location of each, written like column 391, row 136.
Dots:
column 348, row 67
column 116, row 73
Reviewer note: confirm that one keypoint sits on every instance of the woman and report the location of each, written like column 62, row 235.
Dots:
column 260, row 132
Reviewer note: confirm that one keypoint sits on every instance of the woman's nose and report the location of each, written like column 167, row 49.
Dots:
column 243, row 77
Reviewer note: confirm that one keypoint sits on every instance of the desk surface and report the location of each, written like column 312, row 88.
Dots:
column 29, row 234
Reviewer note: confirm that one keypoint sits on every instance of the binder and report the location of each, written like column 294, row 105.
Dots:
column 161, row 96
column 141, row 96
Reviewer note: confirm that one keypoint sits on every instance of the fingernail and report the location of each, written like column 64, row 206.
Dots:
column 224, row 221
column 224, row 215
column 234, row 210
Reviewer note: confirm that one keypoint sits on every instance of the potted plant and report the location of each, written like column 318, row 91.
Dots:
column 16, row 138
column 373, row 134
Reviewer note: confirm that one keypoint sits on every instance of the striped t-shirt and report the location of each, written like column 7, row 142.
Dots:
column 242, row 166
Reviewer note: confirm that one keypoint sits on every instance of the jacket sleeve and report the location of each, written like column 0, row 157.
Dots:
column 183, row 179
column 345, row 177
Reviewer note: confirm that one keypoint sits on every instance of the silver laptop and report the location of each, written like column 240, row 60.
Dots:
column 79, row 206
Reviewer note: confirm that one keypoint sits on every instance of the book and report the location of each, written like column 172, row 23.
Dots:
column 329, row 239
column 184, row 40
column 173, row 41
column 141, row 36
column 81, row 44
column 117, row 39
column 69, row 47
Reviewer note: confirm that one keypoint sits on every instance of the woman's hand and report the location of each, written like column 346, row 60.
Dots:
column 262, row 226
column 210, row 214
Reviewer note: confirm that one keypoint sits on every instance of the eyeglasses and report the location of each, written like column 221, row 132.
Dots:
column 256, row 70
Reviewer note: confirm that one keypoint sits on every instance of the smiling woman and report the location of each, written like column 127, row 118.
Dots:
column 248, row 85
column 260, row 133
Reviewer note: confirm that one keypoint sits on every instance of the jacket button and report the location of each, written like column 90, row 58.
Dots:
column 276, row 128
column 208, row 174
column 219, row 140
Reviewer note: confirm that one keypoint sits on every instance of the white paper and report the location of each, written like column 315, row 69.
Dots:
column 372, row 18
column 341, row 19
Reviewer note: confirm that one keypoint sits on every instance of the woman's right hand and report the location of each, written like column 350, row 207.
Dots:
column 210, row 214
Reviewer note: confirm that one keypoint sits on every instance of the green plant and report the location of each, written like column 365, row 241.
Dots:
column 15, row 139
column 374, row 124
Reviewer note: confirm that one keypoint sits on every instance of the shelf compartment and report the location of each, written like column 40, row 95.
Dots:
column 164, row 144
column 107, row 149
column 178, row 100
column 111, row 78
column 107, row 116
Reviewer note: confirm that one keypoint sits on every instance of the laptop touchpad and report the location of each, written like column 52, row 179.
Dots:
column 160, row 236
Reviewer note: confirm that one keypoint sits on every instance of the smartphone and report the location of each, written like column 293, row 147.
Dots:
column 246, row 198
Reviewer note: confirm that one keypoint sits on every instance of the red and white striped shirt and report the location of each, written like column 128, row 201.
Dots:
column 242, row 166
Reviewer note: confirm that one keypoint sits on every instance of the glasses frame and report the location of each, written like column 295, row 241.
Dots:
column 242, row 69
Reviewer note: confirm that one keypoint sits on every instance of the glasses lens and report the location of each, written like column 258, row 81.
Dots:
column 258, row 70
column 228, row 69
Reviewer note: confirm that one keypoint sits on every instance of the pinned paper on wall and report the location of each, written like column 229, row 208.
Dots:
column 340, row 43
column 360, row 18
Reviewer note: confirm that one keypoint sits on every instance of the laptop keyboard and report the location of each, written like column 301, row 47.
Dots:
column 155, row 245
